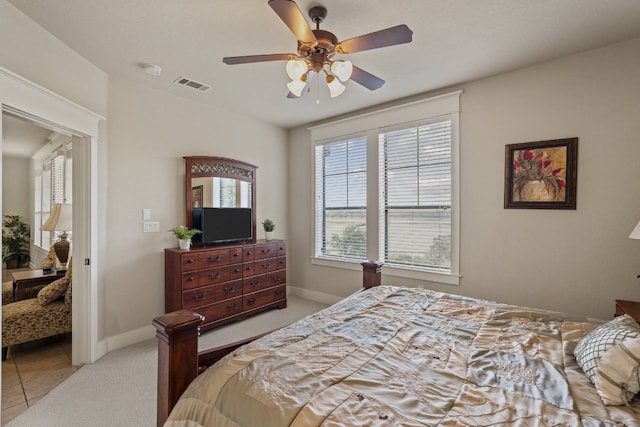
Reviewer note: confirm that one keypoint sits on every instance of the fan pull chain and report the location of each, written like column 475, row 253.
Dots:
column 318, row 91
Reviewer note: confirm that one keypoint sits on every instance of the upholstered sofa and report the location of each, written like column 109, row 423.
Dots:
column 46, row 315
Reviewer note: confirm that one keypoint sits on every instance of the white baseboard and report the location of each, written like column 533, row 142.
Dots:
column 130, row 337
column 313, row 295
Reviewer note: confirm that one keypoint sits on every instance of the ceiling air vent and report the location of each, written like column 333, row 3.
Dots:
column 183, row 81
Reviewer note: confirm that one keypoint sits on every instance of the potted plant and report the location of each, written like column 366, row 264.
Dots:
column 15, row 241
column 184, row 235
column 269, row 226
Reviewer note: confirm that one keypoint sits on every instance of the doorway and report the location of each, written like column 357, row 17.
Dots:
column 22, row 98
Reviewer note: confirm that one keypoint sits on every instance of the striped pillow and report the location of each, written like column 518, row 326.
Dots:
column 610, row 357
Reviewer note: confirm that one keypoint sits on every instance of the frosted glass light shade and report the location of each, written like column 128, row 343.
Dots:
column 335, row 87
column 296, row 68
column 296, row 87
column 635, row 234
column 342, row 70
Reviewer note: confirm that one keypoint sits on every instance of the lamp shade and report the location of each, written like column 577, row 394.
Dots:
column 296, row 68
column 342, row 70
column 635, row 234
column 296, row 87
column 335, row 87
column 61, row 218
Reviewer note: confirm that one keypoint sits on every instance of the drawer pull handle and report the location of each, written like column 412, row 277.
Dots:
column 199, row 297
column 249, row 267
column 191, row 278
column 237, row 270
column 278, row 293
column 214, row 276
column 251, row 301
column 232, row 306
column 190, row 261
column 249, row 253
column 266, row 251
column 229, row 289
column 214, row 259
column 254, row 284
column 275, row 278
column 267, row 265
column 236, row 254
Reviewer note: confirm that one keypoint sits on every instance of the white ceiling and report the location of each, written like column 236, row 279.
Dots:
column 453, row 41
column 21, row 138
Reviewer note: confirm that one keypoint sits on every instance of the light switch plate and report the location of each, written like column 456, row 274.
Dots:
column 146, row 214
column 151, row 227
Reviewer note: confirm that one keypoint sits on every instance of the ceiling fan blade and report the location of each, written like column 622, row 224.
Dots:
column 366, row 79
column 233, row 60
column 389, row 37
column 291, row 15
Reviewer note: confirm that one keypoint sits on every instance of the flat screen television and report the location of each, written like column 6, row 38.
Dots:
column 219, row 225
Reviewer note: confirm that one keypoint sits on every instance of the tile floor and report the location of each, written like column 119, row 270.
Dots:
column 31, row 371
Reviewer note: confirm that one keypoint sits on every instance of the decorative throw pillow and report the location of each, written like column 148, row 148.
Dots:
column 610, row 357
column 53, row 291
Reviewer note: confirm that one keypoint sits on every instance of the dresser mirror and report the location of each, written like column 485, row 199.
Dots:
column 217, row 182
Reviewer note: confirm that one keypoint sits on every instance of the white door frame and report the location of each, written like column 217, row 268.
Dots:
column 29, row 100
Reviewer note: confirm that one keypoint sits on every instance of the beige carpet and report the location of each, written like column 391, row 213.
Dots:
column 120, row 388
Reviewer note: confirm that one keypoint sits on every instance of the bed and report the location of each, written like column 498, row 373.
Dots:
column 392, row 355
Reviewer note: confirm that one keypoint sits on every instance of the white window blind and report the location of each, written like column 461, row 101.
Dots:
column 53, row 184
column 416, row 195
column 341, row 198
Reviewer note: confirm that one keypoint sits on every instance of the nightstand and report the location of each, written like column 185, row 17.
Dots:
column 632, row 308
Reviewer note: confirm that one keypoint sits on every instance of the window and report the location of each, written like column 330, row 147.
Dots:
column 416, row 194
column 53, row 184
column 341, row 206
column 389, row 190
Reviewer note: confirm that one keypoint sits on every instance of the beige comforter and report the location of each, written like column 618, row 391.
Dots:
column 394, row 356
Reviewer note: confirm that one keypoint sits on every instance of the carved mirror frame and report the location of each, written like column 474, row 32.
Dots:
column 207, row 166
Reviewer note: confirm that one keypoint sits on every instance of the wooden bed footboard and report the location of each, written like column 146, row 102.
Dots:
column 178, row 359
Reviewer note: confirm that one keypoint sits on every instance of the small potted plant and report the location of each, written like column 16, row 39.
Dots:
column 269, row 226
column 15, row 241
column 184, row 235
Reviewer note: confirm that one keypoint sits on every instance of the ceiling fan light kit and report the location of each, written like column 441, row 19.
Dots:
column 316, row 49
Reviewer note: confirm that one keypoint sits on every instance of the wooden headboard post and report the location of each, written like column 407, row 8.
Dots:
column 177, row 334
column 371, row 274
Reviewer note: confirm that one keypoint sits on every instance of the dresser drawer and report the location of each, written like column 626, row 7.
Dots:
column 248, row 253
column 282, row 249
column 261, row 298
column 266, row 251
column 282, row 263
column 248, row 270
column 265, row 266
column 190, row 280
column 189, row 262
column 214, row 258
column 254, row 283
column 197, row 297
column 221, row 310
column 276, row 278
column 218, row 275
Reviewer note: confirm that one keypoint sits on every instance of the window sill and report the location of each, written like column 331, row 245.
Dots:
column 393, row 271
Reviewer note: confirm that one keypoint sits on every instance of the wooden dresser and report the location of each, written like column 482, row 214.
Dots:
column 226, row 282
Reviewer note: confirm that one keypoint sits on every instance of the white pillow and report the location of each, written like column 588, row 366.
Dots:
column 610, row 357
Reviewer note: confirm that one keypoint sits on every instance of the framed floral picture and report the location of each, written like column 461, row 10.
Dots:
column 541, row 174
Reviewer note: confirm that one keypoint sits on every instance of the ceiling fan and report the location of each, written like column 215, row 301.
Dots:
column 316, row 49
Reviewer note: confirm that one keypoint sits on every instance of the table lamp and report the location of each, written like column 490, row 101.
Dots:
column 635, row 234
column 60, row 220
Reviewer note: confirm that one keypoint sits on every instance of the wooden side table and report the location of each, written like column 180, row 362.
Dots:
column 23, row 280
column 632, row 308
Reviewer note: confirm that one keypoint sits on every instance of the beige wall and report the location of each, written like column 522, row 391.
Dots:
column 140, row 165
column 574, row 261
column 149, row 133
column 16, row 190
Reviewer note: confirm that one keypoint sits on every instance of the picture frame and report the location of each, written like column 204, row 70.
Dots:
column 541, row 174
column 196, row 196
